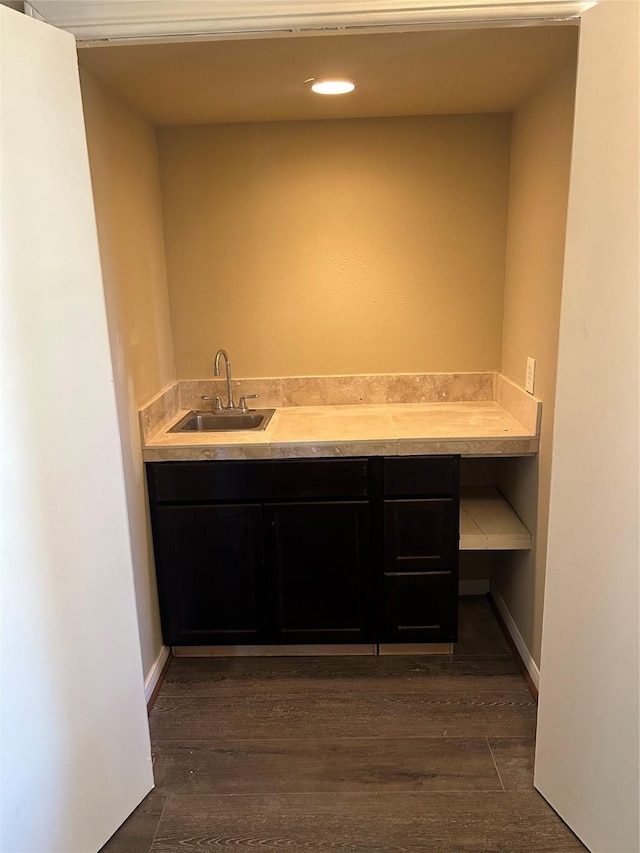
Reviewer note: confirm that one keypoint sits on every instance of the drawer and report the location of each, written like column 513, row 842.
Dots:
column 185, row 482
column 420, row 608
column 420, row 475
column 420, row 535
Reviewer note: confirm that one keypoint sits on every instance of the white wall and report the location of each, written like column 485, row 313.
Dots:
column 588, row 754
column 75, row 742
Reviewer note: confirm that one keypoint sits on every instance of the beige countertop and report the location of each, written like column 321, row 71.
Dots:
column 482, row 428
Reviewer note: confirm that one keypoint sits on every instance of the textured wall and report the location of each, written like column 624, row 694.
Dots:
column 124, row 174
column 540, row 162
column 334, row 247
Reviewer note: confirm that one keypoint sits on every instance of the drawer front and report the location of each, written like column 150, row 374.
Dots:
column 420, row 535
column 420, row 475
column 176, row 482
column 420, row 608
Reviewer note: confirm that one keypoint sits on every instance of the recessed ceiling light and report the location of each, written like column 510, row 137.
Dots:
column 332, row 87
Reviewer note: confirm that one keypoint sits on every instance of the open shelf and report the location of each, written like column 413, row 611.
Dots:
column 488, row 523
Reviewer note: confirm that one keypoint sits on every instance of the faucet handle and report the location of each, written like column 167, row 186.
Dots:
column 243, row 401
column 217, row 402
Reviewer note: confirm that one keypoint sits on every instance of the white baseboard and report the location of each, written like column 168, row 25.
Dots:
column 473, row 586
column 516, row 636
column 155, row 672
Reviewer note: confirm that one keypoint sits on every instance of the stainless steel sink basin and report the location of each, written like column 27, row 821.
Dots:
column 256, row 419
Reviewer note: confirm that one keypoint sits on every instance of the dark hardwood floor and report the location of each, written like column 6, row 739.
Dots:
column 431, row 753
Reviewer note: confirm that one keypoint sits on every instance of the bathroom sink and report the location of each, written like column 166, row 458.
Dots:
column 223, row 421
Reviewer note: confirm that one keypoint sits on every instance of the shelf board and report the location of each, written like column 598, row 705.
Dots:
column 488, row 523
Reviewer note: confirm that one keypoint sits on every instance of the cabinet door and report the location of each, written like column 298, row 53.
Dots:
column 318, row 557
column 210, row 574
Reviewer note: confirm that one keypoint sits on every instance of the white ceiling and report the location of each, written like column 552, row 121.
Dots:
column 413, row 73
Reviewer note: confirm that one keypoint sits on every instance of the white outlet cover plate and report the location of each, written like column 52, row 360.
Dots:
column 531, row 375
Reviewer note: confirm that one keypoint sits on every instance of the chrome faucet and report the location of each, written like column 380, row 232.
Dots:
column 216, row 372
column 231, row 406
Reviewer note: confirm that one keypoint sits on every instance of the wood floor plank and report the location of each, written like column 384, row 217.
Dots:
column 483, row 714
column 353, row 754
column 514, row 761
column 212, row 676
column 137, row 833
column 473, row 822
column 325, row 766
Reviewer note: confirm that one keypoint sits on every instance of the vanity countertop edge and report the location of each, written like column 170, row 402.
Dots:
column 468, row 428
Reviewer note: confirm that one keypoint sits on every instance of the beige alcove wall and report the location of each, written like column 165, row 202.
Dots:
column 225, row 235
column 337, row 247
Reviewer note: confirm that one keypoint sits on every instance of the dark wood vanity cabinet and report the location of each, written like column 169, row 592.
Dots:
column 262, row 552
column 306, row 551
